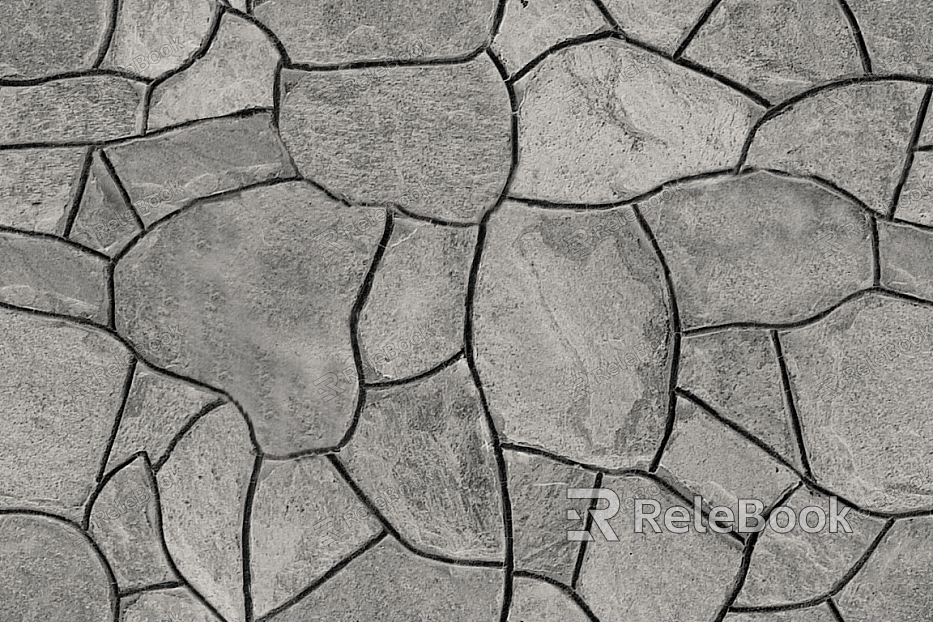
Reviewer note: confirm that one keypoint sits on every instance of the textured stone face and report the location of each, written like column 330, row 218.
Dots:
column 916, row 201
column 177, row 603
column 536, row 600
column 35, row 187
column 661, row 23
column 906, row 259
column 817, row 613
column 897, row 35
column 105, row 221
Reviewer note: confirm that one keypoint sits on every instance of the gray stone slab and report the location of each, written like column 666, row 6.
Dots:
column 661, row 23
column 540, row 601
column 105, row 221
column 160, row 605
column 897, row 35
column 36, row 187
column 915, row 204
column 906, row 259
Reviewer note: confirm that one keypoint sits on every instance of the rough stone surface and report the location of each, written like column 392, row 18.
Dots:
column 661, row 23
column 35, row 187
column 435, row 140
column 161, row 605
column 48, row 275
column 779, row 48
column 589, row 131
column 237, row 73
column 896, row 35
column 321, row 32
column 542, row 602
column 203, row 490
column 212, row 273
column 811, row 248
column 430, row 441
column 163, row 172
column 50, row 572
column 916, row 201
column 413, row 317
column 906, row 259
column 538, row 495
column 817, row 613
column 305, row 520
column 853, row 135
column 571, row 325
column 59, row 394
column 861, row 381
column 104, row 220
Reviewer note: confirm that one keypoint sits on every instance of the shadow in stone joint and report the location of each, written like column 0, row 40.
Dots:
column 581, row 552
column 421, row 376
column 911, row 149
column 695, row 29
column 789, row 403
column 570, row 592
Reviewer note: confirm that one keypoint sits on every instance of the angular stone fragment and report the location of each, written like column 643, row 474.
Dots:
column 60, row 391
column 165, row 605
column 203, row 491
column 435, row 140
column 79, row 109
column 915, row 204
column 817, row 613
column 413, row 316
column 305, row 520
column 125, row 525
column 216, row 275
column 861, row 380
column 906, row 259
column 760, row 248
column 896, row 34
column 163, row 172
column 389, row 584
column 736, row 372
column 778, row 48
column 429, row 441
column 530, row 28
column 571, row 334
column 538, row 495
column 104, row 220
column 661, row 23
column 682, row 576
column 542, row 602
column 796, row 566
column 154, row 37
column 51, row 572
column 35, row 187
column 590, row 132
column 48, row 275
column 238, row 72
column 321, row 32
column 897, row 581
column 853, row 135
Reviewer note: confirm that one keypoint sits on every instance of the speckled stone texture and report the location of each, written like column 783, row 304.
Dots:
column 36, row 187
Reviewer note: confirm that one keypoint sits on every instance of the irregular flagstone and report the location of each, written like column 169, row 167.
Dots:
column 48, row 275
column 322, row 32
column 897, row 35
column 530, row 28
column 796, row 566
column 818, row 613
column 79, row 109
column 51, row 572
column 915, row 204
column 216, row 275
column 897, row 581
column 736, row 372
column 861, row 380
column 163, row 172
column 906, row 259
column 681, row 575
column 154, row 37
column 413, row 316
column 165, row 605
column 104, row 220
column 429, row 440
column 60, row 392
column 760, row 248
column 41, row 38
column 388, row 584
column 36, row 187
column 157, row 408
column 542, row 602
column 538, row 490
column 854, row 135
column 661, row 23
column 590, row 132
column 125, row 525
column 203, row 491
column 571, row 322
column 777, row 48
column 305, row 520
column 435, row 140
column 238, row 72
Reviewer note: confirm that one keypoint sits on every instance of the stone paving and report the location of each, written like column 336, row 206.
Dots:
column 373, row 310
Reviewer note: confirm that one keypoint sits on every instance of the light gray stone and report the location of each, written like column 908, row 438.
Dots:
column 104, row 220
column 915, row 203
column 36, row 187
column 817, row 613
column 661, row 23
column 897, row 34
column 906, row 259
column 162, row 605
column 542, row 602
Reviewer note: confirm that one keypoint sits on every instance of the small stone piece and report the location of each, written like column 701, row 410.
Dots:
column 896, row 34
column 661, row 23
column 50, row 572
column 165, row 606
column 48, row 275
column 538, row 494
column 435, row 140
column 413, row 316
column 542, row 602
column 238, row 72
column 36, row 186
column 203, row 490
column 163, row 172
column 906, row 259
column 390, row 584
column 916, row 201
column 853, row 135
column 429, row 441
column 777, row 48
column 818, row 613
column 125, row 525
column 82, row 109
column 104, row 220
column 760, row 248
column 590, row 131
column 305, row 520
column 321, row 32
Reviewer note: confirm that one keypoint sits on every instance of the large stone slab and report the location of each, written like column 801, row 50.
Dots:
column 36, row 187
